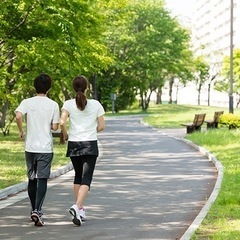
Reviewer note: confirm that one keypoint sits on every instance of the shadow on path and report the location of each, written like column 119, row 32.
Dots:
column 147, row 185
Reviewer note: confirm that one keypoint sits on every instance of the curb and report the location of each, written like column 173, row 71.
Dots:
column 8, row 191
column 220, row 169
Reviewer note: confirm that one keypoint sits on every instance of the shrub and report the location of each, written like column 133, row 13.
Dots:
column 231, row 120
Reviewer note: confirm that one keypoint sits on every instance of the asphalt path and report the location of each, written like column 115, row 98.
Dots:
column 147, row 185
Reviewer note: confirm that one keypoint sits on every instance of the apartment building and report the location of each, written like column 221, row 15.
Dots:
column 211, row 28
column 209, row 22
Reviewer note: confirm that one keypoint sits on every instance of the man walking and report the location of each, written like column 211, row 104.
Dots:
column 42, row 116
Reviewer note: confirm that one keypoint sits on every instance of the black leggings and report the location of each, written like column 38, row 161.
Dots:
column 84, row 167
column 37, row 189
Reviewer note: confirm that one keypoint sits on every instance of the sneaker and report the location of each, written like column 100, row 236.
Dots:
column 82, row 214
column 40, row 214
column 37, row 218
column 76, row 218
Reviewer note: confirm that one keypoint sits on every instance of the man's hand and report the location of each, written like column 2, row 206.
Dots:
column 21, row 134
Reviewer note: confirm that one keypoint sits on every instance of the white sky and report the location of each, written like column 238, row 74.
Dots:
column 180, row 7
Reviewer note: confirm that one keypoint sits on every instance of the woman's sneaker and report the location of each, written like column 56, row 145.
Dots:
column 82, row 214
column 36, row 217
column 75, row 212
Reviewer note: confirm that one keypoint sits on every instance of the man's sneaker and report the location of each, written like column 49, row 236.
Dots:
column 82, row 214
column 37, row 218
column 76, row 218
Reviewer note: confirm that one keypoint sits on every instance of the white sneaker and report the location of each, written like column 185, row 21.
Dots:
column 76, row 218
column 82, row 214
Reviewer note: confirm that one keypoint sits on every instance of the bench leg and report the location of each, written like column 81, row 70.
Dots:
column 209, row 126
column 212, row 125
column 190, row 129
column 198, row 128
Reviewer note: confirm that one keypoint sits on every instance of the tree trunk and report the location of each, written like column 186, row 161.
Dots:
column 159, row 96
column 171, row 81
column 3, row 114
column 93, row 87
column 10, row 82
column 209, row 89
column 145, row 100
column 199, row 93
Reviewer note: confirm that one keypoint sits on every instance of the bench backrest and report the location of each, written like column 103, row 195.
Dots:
column 199, row 119
column 217, row 115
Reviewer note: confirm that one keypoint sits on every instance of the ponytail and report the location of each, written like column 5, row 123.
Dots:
column 80, row 84
column 81, row 100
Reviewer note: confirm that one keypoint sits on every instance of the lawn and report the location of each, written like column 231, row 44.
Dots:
column 12, row 160
column 223, row 219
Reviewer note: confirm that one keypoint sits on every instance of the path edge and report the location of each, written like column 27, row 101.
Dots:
column 202, row 214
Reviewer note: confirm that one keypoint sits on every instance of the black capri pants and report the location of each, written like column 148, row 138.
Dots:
column 84, row 167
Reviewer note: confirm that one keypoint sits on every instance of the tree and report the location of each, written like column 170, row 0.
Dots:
column 201, row 74
column 117, row 78
column 182, row 68
column 223, row 83
column 147, row 46
column 62, row 38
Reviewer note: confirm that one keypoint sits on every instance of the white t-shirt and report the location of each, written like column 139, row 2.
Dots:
column 83, row 124
column 40, row 112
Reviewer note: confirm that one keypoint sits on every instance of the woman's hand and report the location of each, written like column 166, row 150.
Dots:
column 65, row 136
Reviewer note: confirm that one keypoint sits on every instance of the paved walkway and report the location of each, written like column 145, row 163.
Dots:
column 147, row 185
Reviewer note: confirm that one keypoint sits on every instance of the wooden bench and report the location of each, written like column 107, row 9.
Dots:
column 214, row 122
column 196, row 124
column 58, row 134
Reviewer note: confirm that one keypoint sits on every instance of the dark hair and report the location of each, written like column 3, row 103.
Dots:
column 42, row 83
column 80, row 84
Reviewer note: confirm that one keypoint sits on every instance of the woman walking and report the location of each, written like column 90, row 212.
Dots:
column 86, row 120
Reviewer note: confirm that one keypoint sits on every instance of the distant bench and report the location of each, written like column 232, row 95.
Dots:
column 214, row 122
column 196, row 124
column 58, row 134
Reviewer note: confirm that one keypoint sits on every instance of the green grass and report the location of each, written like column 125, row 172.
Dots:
column 12, row 160
column 171, row 116
column 223, row 220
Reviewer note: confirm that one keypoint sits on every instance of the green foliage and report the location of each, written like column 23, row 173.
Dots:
column 58, row 37
column 202, row 69
column 223, row 84
column 147, row 45
column 62, row 38
column 126, row 47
